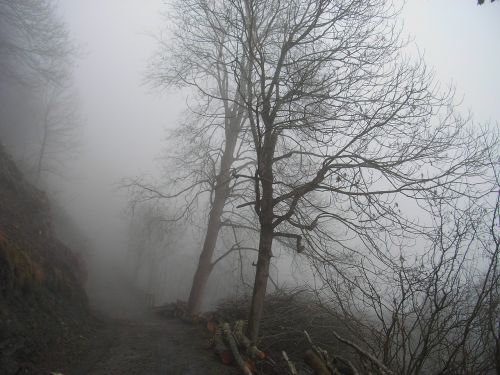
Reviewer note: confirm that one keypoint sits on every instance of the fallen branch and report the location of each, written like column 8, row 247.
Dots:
column 221, row 349
column 363, row 353
column 344, row 366
column 290, row 365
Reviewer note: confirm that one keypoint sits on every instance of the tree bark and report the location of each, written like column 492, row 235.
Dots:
column 201, row 275
column 260, row 283
column 265, row 241
column 41, row 154
column 497, row 352
column 222, row 188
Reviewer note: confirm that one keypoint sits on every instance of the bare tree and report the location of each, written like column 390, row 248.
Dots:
column 192, row 186
column 152, row 241
column 197, row 56
column 434, row 309
column 34, row 44
column 347, row 122
column 59, row 132
column 36, row 57
column 344, row 126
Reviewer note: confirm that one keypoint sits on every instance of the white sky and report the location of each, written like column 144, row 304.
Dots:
column 125, row 123
column 462, row 42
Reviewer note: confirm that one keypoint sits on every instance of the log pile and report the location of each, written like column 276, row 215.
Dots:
column 232, row 347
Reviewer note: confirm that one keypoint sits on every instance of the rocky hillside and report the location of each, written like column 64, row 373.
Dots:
column 42, row 300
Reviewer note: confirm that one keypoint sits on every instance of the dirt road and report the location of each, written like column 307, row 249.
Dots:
column 128, row 339
column 152, row 346
column 148, row 346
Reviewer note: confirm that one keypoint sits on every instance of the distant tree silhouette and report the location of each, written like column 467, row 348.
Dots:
column 36, row 61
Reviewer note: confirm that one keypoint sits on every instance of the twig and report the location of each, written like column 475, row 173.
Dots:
column 291, row 366
column 363, row 353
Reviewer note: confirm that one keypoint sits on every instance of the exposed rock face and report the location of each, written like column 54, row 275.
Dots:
column 42, row 300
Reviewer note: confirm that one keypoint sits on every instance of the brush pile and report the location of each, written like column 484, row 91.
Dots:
column 299, row 337
column 291, row 318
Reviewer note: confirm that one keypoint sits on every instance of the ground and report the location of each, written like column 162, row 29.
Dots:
column 147, row 346
column 45, row 324
column 127, row 338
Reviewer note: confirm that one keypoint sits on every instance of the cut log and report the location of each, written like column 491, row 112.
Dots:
column 316, row 363
column 244, row 342
column 211, row 326
column 234, row 349
column 221, row 349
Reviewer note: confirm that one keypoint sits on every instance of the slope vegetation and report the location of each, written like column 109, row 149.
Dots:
column 42, row 300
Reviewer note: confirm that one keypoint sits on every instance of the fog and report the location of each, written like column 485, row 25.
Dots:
column 262, row 168
column 457, row 39
column 125, row 122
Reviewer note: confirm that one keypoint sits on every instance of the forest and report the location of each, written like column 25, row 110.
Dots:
column 306, row 185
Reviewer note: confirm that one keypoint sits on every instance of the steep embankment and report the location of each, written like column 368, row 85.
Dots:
column 42, row 301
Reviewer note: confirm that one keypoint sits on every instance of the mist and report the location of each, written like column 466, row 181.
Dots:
column 126, row 122
column 110, row 188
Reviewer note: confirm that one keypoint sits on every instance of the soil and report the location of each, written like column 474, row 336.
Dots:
column 127, row 338
column 148, row 346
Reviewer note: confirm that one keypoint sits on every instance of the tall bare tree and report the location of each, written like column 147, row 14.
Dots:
column 196, row 55
column 347, row 123
column 59, row 131
column 39, row 111
column 34, row 43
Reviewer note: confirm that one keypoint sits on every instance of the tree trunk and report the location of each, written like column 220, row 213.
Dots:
column 202, row 271
column 41, row 154
column 266, row 239
column 260, row 283
column 497, row 351
column 205, row 265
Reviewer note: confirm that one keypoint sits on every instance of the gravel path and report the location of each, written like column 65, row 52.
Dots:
column 152, row 346
column 129, row 339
